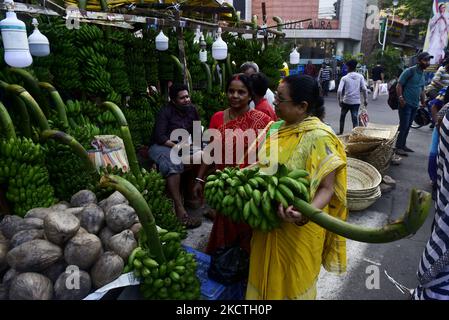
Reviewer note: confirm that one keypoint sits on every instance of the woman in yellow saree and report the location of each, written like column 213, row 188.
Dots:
column 285, row 262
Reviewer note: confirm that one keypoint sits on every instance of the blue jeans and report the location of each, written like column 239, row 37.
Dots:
column 354, row 108
column 406, row 116
column 432, row 167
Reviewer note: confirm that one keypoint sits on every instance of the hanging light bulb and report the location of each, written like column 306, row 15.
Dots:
column 161, row 41
column 197, row 35
column 294, row 56
column 39, row 45
column 219, row 48
column 15, row 42
column 203, row 52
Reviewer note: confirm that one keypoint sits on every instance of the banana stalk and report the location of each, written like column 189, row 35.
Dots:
column 180, row 68
column 413, row 219
column 279, row 22
column 57, row 100
column 229, row 66
column 223, row 76
column 6, row 123
column 32, row 86
column 126, row 136
column 76, row 147
column 29, row 101
column 148, row 236
column 206, row 69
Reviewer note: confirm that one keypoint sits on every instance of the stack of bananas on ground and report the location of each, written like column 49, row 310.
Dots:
column 173, row 279
column 22, row 168
column 250, row 195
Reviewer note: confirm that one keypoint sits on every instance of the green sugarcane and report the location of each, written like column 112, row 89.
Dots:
column 32, row 86
column 126, row 136
column 206, row 69
column 29, row 101
column 76, row 147
column 57, row 100
column 148, row 236
column 413, row 219
column 6, row 123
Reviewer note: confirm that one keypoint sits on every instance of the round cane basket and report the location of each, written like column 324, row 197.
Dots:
column 363, row 178
column 359, row 204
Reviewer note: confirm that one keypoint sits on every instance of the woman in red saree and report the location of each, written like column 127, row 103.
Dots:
column 237, row 120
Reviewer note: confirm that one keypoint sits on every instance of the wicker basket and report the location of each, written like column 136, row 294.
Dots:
column 360, row 204
column 362, row 176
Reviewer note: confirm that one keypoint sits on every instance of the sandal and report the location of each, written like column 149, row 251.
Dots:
column 191, row 222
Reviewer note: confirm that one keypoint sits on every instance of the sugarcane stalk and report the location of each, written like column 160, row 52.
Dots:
column 206, row 69
column 149, row 237
column 29, row 101
column 413, row 219
column 6, row 123
column 57, row 100
column 32, row 86
column 126, row 136
column 70, row 141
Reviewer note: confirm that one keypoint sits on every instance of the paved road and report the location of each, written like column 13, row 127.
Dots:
column 400, row 259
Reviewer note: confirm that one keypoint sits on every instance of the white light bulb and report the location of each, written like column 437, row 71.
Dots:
column 15, row 41
column 161, row 41
column 39, row 45
column 294, row 57
column 219, row 48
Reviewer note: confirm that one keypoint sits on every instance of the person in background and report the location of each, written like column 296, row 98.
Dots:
column 179, row 113
column 249, row 68
column 260, row 86
column 344, row 69
column 325, row 76
column 285, row 262
column 439, row 81
column 433, row 269
column 410, row 91
column 378, row 76
column 348, row 95
column 310, row 69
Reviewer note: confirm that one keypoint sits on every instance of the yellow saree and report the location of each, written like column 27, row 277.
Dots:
column 285, row 263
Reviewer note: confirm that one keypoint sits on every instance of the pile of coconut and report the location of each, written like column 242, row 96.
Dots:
column 68, row 250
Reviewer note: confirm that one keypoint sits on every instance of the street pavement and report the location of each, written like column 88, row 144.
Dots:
column 400, row 259
column 366, row 263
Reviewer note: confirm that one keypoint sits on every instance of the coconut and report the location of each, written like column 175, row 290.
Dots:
column 112, row 200
column 60, row 206
column 135, row 228
column 108, row 268
column 105, row 234
column 60, row 227
column 34, row 223
column 10, row 225
column 55, row 270
column 9, row 277
column 73, row 284
column 4, row 247
column 120, row 217
column 25, row 236
column 83, row 198
column 33, row 256
column 83, row 250
column 31, row 286
column 75, row 211
column 123, row 244
column 92, row 218
column 40, row 213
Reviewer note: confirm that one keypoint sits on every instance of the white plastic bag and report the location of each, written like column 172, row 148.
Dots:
column 383, row 89
column 332, row 85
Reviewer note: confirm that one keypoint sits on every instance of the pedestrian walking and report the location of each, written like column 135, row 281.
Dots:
column 410, row 91
column 325, row 76
column 378, row 76
column 348, row 94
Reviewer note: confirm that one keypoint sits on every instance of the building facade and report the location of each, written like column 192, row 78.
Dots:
column 332, row 27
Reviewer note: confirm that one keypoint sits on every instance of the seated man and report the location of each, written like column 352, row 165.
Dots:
column 179, row 113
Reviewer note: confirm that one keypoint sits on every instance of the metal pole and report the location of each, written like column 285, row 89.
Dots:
column 385, row 35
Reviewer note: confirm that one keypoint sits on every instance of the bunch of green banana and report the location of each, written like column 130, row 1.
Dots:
column 115, row 52
column 22, row 168
column 141, row 122
column 151, row 59
column 134, row 59
column 173, row 279
column 93, row 67
column 88, row 34
column 252, row 196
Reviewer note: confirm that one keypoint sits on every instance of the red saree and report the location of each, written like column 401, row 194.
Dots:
column 224, row 231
